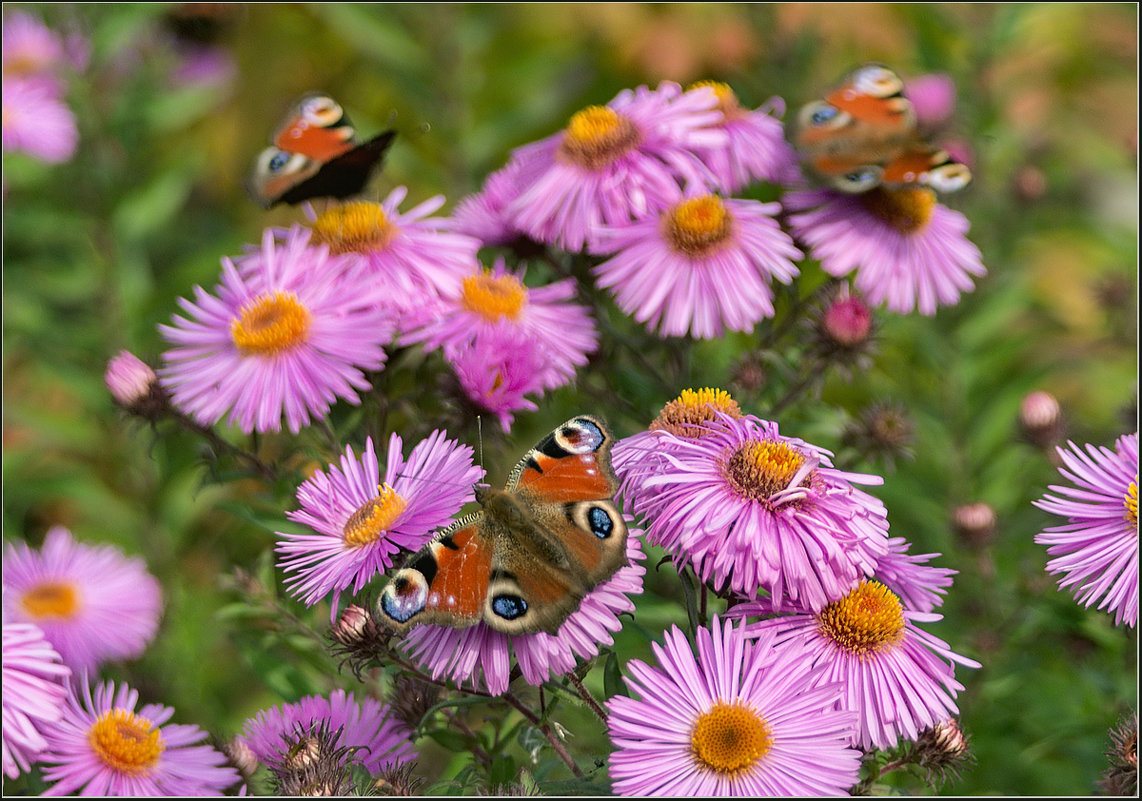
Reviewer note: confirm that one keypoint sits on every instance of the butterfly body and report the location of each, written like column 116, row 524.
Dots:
column 525, row 561
column 315, row 153
column 864, row 134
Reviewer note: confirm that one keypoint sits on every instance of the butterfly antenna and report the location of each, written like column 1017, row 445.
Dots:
column 480, row 437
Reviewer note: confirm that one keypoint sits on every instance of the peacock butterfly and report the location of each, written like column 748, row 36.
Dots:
column 525, row 562
column 315, row 153
column 864, row 134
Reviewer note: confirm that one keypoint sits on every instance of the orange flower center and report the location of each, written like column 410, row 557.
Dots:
column 373, row 517
column 494, row 297
column 729, row 738
column 685, row 415
column 596, row 136
column 760, row 469
column 906, row 210
column 698, row 225
column 126, row 742
column 727, row 101
column 51, row 599
column 357, row 227
column 866, row 622
column 270, row 324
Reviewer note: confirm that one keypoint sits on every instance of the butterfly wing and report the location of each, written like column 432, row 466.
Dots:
column 343, row 176
column 316, row 127
column 445, row 583
column 560, row 531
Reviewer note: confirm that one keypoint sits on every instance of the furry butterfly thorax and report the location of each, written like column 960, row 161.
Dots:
column 526, row 560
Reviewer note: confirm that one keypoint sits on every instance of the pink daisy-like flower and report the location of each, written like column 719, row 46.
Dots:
column 498, row 300
column 908, row 251
column 702, row 265
column 933, row 97
column 33, row 694
column 379, row 740
column 614, row 163
column 31, row 49
column 37, row 122
column 362, row 518
column 482, row 656
column 496, row 370
column 92, row 603
column 741, row 719
column 897, row 678
column 1097, row 549
column 102, row 746
column 750, row 509
column 288, row 334
column 484, row 214
column 918, row 584
column 756, row 148
column 413, row 257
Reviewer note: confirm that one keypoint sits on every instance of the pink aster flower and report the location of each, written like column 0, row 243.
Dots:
column 498, row 300
column 482, row 656
column 92, row 603
column 898, row 678
column 700, row 266
column 614, row 163
column 756, row 149
column 413, row 257
column 908, row 251
column 102, row 746
column 497, row 370
column 750, row 509
column 33, row 694
column 360, row 518
column 484, row 214
column 31, row 49
column 379, row 740
column 288, row 334
column 933, row 97
column 37, row 122
column 741, row 719
column 1096, row 551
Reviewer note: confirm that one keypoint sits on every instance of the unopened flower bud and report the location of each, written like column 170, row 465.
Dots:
column 134, row 386
column 1121, row 778
column 975, row 524
column 942, row 749
column 1041, row 419
column 847, row 322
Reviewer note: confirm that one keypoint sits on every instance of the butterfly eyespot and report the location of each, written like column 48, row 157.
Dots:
column 279, row 160
column 860, row 180
column 877, row 81
column 404, row 596
column 949, row 177
column 509, row 607
column 823, row 115
column 580, row 436
column 322, row 111
column 600, row 522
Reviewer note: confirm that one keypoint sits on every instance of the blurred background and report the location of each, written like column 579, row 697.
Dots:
column 173, row 102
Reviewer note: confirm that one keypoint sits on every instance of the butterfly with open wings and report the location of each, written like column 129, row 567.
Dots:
column 864, row 134
column 315, row 153
column 525, row 561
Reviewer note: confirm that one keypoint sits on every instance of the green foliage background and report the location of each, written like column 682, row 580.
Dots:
column 97, row 250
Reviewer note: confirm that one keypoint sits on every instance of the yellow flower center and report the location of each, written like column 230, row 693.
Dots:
column 698, row 225
column 126, row 742
column 727, row 100
column 760, row 469
column 596, row 136
column 730, row 738
column 51, row 599
column 26, row 64
column 685, row 415
column 356, row 227
column 906, row 210
column 866, row 622
column 494, row 297
column 373, row 517
column 270, row 324
column 1131, row 503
